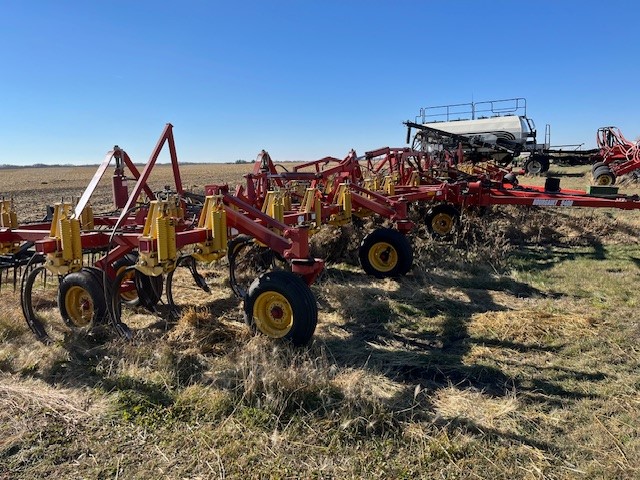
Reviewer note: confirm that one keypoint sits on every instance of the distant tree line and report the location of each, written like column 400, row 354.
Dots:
column 35, row 165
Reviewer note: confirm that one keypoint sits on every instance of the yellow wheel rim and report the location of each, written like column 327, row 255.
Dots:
column 79, row 306
column 273, row 314
column 131, row 294
column 604, row 180
column 442, row 223
column 383, row 257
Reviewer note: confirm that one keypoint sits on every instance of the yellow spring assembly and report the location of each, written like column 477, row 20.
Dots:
column 274, row 205
column 219, row 228
column 389, row 185
column 149, row 229
column 343, row 199
column 286, row 199
column 69, row 257
column 8, row 217
column 86, row 218
column 308, row 200
column 166, row 230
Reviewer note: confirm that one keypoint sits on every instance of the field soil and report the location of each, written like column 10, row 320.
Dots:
column 510, row 351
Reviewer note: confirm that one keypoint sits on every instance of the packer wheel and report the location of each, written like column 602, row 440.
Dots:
column 138, row 289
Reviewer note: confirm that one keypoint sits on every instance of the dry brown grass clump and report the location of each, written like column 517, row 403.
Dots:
column 200, row 331
column 529, row 326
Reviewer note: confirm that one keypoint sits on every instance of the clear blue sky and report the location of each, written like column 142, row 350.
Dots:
column 302, row 79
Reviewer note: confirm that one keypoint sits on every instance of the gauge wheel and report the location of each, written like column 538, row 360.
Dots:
column 386, row 252
column 280, row 305
column 138, row 289
column 128, row 291
column 442, row 221
column 247, row 260
column 81, row 300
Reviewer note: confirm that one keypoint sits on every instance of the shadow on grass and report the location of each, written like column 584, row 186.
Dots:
column 86, row 352
column 432, row 352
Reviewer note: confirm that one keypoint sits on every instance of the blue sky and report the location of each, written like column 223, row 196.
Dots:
column 301, row 79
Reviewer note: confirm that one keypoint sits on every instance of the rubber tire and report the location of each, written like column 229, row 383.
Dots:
column 149, row 288
column 442, row 208
column 298, row 295
column 397, row 241
column 128, row 260
column 597, row 165
column 90, row 283
column 541, row 160
column 234, row 247
column 604, row 172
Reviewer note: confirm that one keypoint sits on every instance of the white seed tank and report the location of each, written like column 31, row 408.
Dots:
column 510, row 128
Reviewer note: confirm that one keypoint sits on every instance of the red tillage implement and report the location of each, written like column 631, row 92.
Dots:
column 140, row 248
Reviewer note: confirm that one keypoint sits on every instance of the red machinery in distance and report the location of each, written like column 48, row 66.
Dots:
column 618, row 156
column 328, row 191
column 434, row 176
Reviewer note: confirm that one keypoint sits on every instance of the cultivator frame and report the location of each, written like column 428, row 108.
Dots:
column 330, row 191
column 146, row 242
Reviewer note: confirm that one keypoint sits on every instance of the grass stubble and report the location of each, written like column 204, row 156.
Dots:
column 510, row 352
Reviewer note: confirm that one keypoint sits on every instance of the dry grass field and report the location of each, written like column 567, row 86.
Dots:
column 509, row 352
column 34, row 188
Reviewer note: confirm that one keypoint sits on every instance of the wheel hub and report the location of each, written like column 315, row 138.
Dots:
column 273, row 314
column 277, row 313
column 383, row 257
column 79, row 306
column 442, row 224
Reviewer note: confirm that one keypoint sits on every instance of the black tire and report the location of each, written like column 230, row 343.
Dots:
column 603, row 176
column 280, row 305
column 536, row 164
column 129, row 296
column 385, row 253
column 148, row 290
column 511, row 179
column 81, row 300
column 442, row 221
column 596, row 166
column 115, row 304
column 247, row 261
